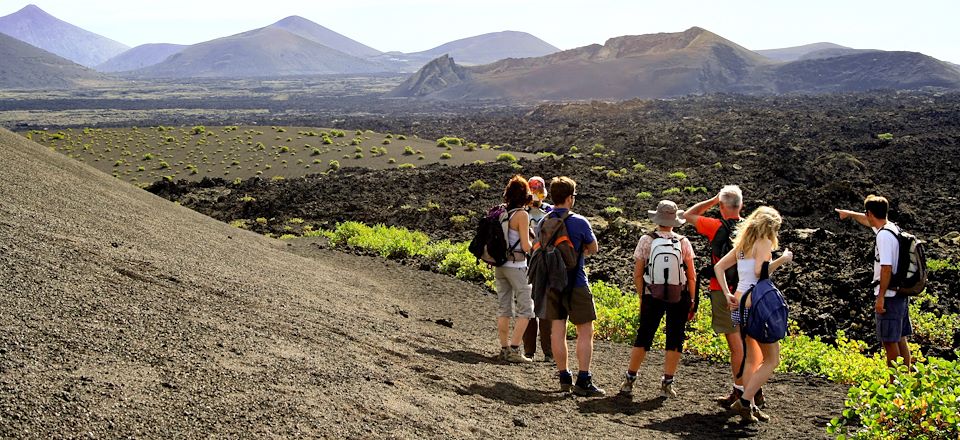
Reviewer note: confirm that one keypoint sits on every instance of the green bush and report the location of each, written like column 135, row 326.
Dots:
column 612, row 211
column 679, row 175
column 199, row 129
column 479, row 185
column 671, row 191
column 334, row 165
column 695, row 189
column 406, row 166
column 885, row 136
column 445, row 156
column 639, row 167
column 922, row 405
column 465, row 266
column 506, row 157
column 148, row 156
column 644, row 195
column 407, row 151
column 459, row 220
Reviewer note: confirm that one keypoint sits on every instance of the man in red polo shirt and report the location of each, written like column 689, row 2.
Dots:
column 720, row 233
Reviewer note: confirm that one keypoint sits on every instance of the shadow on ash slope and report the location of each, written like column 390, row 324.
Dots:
column 122, row 314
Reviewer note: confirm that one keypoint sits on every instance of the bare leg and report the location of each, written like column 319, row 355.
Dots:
column 519, row 327
column 670, row 361
column 503, row 330
column 637, row 355
column 892, row 351
column 736, row 354
column 905, row 351
column 584, row 345
column 558, row 336
column 770, row 353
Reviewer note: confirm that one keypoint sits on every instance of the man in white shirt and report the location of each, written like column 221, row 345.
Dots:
column 892, row 311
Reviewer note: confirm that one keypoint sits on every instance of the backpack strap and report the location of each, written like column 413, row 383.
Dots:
column 510, row 214
column 764, row 272
column 743, row 326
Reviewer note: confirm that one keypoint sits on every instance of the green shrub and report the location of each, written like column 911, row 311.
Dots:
column 695, row 189
column 358, row 156
column 406, row 166
column 934, row 265
column 479, row 185
column 920, row 405
column 247, row 199
column 459, row 220
column 401, row 138
column 671, row 191
column 679, row 175
column 316, row 152
column 445, row 156
column 613, row 175
column 333, row 165
column 612, row 211
column 199, row 129
column 408, row 151
column 386, row 142
column 465, row 266
column 391, row 161
column 148, row 156
column 639, row 167
column 885, row 136
column 644, row 195
column 506, row 157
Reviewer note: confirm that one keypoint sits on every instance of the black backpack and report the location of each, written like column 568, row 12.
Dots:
column 910, row 276
column 721, row 244
column 490, row 244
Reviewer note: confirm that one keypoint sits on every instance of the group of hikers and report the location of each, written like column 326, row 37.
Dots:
column 541, row 284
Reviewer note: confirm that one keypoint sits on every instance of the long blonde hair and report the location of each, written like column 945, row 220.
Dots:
column 762, row 223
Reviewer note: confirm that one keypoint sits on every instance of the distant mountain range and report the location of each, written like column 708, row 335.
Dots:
column 34, row 26
column 695, row 61
column 500, row 65
column 269, row 51
column 28, row 67
column 144, row 55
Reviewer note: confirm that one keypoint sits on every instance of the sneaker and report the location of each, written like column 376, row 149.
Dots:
column 758, row 399
column 626, row 388
column 760, row 415
column 566, row 382
column 548, row 359
column 585, row 388
column 666, row 389
column 514, row 356
column 745, row 411
column 503, row 353
column 727, row 402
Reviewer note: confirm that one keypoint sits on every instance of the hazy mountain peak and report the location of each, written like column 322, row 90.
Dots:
column 327, row 37
column 35, row 26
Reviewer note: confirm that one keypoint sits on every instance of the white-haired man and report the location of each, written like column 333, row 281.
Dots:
column 720, row 233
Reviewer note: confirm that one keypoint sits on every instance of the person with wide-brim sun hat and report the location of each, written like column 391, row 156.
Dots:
column 662, row 292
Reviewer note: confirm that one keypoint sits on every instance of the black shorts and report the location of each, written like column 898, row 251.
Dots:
column 651, row 313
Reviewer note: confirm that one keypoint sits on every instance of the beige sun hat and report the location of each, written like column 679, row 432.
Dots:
column 667, row 214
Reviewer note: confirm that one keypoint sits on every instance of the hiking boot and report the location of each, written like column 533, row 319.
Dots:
column 745, row 411
column 588, row 390
column 758, row 399
column 566, row 382
column 503, row 353
column 666, row 389
column 514, row 356
column 760, row 415
column 626, row 388
column 727, row 402
column 548, row 359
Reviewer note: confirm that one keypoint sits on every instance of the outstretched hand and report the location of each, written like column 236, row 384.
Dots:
column 844, row 214
column 787, row 255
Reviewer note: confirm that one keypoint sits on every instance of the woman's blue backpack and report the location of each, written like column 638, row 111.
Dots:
column 767, row 319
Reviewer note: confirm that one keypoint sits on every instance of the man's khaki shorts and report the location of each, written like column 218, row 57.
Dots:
column 576, row 305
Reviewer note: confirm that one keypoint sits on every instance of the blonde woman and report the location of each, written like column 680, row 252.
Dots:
column 753, row 246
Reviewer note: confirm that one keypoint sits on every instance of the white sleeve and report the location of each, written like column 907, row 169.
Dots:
column 887, row 247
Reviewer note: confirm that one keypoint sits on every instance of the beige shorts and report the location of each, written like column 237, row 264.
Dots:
column 513, row 292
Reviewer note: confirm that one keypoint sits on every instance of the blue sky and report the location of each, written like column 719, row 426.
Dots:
column 412, row 25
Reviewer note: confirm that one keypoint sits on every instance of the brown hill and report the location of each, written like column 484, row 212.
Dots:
column 695, row 61
column 139, row 57
column 27, row 67
column 646, row 66
column 266, row 51
column 38, row 28
column 124, row 315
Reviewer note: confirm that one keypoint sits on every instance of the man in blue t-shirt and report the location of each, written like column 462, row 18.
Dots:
column 575, row 302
